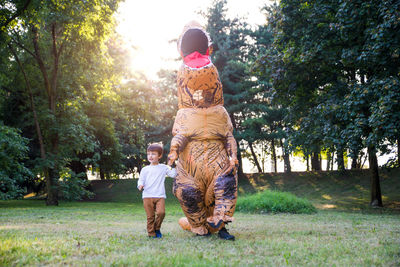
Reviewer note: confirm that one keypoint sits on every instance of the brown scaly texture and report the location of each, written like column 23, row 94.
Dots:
column 199, row 87
column 206, row 182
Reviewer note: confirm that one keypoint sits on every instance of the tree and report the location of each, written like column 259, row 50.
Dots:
column 261, row 110
column 43, row 39
column 331, row 62
column 165, row 96
column 229, row 56
column 378, row 71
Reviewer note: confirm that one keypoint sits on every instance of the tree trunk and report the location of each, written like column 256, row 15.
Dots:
column 54, row 174
column 398, row 151
column 102, row 175
column 359, row 161
column 286, row 159
column 333, row 160
column 42, row 67
column 51, row 89
column 354, row 163
column 362, row 162
column 52, row 198
column 320, row 161
column 255, row 157
column 50, row 85
column 354, row 160
column 239, row 154
column 376, row 197
column 52, row 187
column 308, row 162
column 328, row 160
column 274, row 167
column 240, row 168
column 32, row 103
column 315, row 163
column 340, row 160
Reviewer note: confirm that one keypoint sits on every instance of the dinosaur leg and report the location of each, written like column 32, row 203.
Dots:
column 191, row 198
column 225, row 193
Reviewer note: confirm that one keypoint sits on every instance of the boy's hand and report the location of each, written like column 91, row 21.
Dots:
column 140, row 187
column 172, row 156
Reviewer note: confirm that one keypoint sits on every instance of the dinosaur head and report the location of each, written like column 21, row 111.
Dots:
column 198, row 80
column 194, row 45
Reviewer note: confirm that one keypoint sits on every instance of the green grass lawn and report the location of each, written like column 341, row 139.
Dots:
column 114, row 233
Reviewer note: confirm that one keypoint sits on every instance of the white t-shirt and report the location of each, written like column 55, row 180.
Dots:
column 152, row 178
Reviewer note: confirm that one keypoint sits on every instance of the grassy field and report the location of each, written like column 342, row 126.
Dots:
column 113, row 233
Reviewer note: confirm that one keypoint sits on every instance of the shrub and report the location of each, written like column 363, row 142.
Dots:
column 274, row 202
column 13, row 173
column 73, row 187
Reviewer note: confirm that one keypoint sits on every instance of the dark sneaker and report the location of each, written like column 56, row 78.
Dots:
column 158, row 234
column 224, row 234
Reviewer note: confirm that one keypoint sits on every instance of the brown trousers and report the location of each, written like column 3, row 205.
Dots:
column 155, row 211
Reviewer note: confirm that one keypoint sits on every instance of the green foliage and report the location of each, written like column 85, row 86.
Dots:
column 88, row 117
column 73, row 186
column 13, row 173
column 230, row 56
column 332, row 63
column 274, row 202
column 164, row 95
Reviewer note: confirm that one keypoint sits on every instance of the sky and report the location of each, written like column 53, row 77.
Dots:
column 148, row 26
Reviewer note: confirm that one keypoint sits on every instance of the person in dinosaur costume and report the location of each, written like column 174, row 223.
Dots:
column 203, row 143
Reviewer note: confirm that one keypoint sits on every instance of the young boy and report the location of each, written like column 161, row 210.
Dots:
column 151, row 181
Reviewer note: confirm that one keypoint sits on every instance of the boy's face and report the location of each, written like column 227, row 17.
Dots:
column 153, row 157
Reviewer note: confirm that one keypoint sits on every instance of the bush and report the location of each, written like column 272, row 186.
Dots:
column 13, row 173
column 274, row 202
column 73, row 187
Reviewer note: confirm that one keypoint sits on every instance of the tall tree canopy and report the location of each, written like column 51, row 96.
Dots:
column 63, row 88
column 335, row 65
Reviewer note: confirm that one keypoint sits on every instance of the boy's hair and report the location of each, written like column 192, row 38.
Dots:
column 194, row 40
column 156, row 147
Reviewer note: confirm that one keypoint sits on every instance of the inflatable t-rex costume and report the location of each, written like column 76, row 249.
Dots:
column 206, row 182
